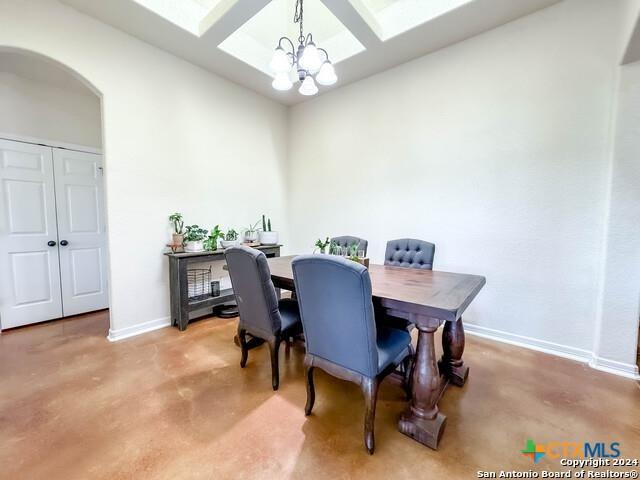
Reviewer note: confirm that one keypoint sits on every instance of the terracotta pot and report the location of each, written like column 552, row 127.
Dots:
column 177, row 239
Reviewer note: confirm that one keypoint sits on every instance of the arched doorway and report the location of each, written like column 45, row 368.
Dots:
column 53, row 240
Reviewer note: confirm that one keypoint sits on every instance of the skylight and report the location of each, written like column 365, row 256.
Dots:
column 254, row 42
column 186, row 14
column 393, row 17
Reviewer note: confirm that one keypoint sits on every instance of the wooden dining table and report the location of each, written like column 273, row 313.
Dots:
column 427, row 299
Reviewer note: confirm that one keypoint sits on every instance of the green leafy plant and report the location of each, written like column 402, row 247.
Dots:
column 211, row 243
column 333, row 248
column 178, row 223
column 231, row 235
column 322, row 245
column 353, row 250
column 194, row 233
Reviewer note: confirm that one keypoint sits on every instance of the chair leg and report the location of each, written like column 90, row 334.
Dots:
column 242, row 338
column 274, row 347
column 311, row 392
column 370, row 391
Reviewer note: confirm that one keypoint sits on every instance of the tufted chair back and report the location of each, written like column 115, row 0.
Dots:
column 254, row 291
column 347, row 241
column 336, row 309
column 410, row 253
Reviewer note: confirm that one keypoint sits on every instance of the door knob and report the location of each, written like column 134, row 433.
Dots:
column 64, row 243
column 51, row 243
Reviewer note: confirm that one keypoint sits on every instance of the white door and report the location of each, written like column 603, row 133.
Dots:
column 81, row 231
column 29, row 268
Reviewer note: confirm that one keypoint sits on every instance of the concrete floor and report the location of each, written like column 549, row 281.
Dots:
column 171, row 405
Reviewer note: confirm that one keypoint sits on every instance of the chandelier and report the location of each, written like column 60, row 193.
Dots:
column 301, row 64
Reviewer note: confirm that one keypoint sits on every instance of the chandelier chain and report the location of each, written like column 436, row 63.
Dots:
column 298, row 18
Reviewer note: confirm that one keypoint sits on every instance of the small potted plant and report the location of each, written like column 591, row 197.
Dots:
column 194, row 238
column 322, row 245
column 267, row 236
column 177, row 238
column 230, row 239
column 251, row 234
column 211, row 243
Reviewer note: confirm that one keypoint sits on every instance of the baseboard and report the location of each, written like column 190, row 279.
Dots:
column 628, row 370
column 122, row 333
column 531, row 343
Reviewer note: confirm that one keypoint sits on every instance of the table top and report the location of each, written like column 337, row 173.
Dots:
column 441, row 295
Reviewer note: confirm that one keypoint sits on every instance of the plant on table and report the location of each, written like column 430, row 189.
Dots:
column 251, row 234
column 268, row 236
column 178, row 228
column 323, row 245
column 194, row 237
column 230, row 238
column 211, row 243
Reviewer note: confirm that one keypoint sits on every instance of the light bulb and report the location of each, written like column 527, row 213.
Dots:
column 308, row 87
column 282, row 82
column 310, row 58
column 327, row 74
column 280, row 61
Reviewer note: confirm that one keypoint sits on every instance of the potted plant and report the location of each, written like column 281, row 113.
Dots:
column 230, row 239
column 193, row 238
column 267, row 236
column 177, row 238
column 251, row 233
column 211, row 243
column 322, row 245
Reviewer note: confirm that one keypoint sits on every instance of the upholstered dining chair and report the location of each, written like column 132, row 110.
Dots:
column 406, row 253
column 340, row 331
column 262, row 315
column 347, row 241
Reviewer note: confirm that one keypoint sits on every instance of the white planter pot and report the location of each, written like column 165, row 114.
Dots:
column 229, row 243
column 194, row 246
column 251, row 236
column 269, row 238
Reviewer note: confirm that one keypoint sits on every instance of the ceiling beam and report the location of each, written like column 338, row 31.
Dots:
column 356, row 18
column 228, row 16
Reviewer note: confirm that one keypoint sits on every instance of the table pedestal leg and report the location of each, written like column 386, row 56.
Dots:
column 451, row 364
column 422, row 420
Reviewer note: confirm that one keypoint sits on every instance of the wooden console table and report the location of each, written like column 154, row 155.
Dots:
column 181, row 306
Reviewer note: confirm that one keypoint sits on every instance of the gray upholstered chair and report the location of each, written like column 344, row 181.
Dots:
column 340, row 330
column 347, row 241
column 410, row 253
column 262, row 315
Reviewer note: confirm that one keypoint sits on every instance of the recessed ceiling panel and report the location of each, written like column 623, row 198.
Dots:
column 186, row 14
column 255, row 41
column 393, row 17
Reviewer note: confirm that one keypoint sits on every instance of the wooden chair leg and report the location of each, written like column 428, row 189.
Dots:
column 311, row 392
column 370, row 391
column 242, row 339
column 274, row 347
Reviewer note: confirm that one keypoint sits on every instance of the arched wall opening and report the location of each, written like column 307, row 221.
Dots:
column 51, row 112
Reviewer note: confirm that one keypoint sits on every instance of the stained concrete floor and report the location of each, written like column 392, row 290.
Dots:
column 172, row 405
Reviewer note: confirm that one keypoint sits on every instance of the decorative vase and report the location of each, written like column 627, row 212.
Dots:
column 269, row 238
column 194, row 246
column 229, row 243
column 177, row 239
column 251, row 236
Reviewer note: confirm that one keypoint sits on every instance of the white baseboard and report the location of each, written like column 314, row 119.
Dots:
column 122, row 333
column 628, row 370
column 565, row 351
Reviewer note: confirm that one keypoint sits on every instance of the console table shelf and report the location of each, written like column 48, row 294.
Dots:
column 181, row 306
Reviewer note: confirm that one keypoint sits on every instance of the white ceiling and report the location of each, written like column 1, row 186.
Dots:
column 235, row 38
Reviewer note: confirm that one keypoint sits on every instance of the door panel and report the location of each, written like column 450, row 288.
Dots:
column 81, row 225
column 29, row 268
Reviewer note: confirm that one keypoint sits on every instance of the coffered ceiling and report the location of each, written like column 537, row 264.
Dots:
column 236, row 38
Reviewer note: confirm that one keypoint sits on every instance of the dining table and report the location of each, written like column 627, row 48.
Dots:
column 427, row 299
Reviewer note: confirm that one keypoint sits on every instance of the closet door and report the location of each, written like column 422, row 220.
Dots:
column 29, row 268
column 81, row 230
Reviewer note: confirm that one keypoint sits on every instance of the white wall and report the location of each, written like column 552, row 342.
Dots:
column 616, row 343
column 36, row 109
column 176, row 138
column 496, row 149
